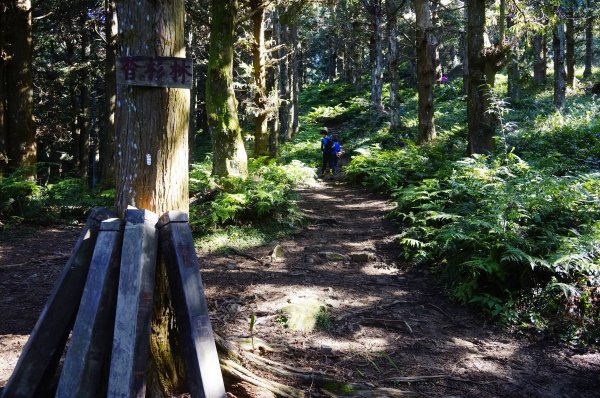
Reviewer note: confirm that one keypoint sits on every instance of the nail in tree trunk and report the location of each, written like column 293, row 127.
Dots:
column 107, row 138
column 261, row 135
column 514, row 75
column 539, row 59
column 570, row 45
column 481, row 124
column 21, row 144
column 558, row 45
column 589, row 36
column 152, row 158
column 425, row 71
column 229, row 154
column 392, row 8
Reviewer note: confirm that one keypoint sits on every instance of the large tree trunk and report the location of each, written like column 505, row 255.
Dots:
column 229, row 154
column 558, row 44
column 539, row 59
column 107, row 138
column 393, row 7
column 152, row 157
column 514, row 76
column 375, row 11
column 261, row 135
column 425, row 71
column 481, row 123
column 570, row 46
column 589, row 35
column 20, row 137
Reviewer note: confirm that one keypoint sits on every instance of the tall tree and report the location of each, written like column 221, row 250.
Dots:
column 107, row 138
column 20, row 131
column 570, row 43
column 514, row 75
column 392, row 10
column 481, row 122
column 259, row 74
column 558, row 45
column 375, row 12
column 152, row 150
column 539, row 58
column 589, row 36
column 3, row 104
column 425, row 70
column 229, row 154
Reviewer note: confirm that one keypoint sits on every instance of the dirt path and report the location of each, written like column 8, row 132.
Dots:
column 383, row 321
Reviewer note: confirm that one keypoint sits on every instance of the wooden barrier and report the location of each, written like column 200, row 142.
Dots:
column 131, row 339
column 197, row 340
column 88, row 351
column 37, row 365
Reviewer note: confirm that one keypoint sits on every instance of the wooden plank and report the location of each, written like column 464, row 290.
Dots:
column 131, row 340
column 195, row 331
column 155, row 71
column 86, row 362
column 37, row 365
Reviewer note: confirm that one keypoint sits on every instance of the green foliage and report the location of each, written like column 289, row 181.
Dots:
column 324, row 319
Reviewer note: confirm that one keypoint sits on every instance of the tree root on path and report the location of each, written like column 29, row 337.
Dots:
column 232, row 355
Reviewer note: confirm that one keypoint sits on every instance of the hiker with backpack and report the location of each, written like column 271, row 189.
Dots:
column 337, row 153
column 327, row 150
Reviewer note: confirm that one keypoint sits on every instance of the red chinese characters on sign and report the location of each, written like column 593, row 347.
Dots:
column 155, row 71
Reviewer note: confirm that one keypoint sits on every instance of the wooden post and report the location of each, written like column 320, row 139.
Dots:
column 196, row 336
column 84, row 368
column 131, row 341
column 39, row 360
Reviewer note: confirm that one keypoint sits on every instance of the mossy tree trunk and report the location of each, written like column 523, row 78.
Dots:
column 425, row 71
column 229, row 154
column 152, row 157
column 481, row 124
column 20, row 130
column 261, row 114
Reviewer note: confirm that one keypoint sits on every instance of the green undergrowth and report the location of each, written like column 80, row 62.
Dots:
column 241, row 213
column 516, row 233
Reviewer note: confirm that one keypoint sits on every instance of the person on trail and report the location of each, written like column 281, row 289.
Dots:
column 337, row 153
column 327, row 150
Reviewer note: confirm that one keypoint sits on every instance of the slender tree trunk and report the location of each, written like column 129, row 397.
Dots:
column 570, row 46
column 356, row 55
column 589, row 36
column 480, row 123
column 75, row 111
column 514, row 75
column 3, row 104
column 502, row 22
column 393, row 64
column 107, row 138
column 294, row 78
column 83, row 149
column 539, row 60
column 152, row 157
column 261, row 135
column 376, row 52
column 435, row 53
column 272, row 36
column 285, row 106
column 425, row 71
column 229, row 154
column 464, row 54
column 21, row 144
column 558, row 44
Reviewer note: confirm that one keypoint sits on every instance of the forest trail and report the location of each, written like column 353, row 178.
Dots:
column 383, row 320
column 386, row 321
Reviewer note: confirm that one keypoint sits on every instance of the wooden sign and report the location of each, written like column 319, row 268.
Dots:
column 195, row 331
column 131, row 341
column 87, row 357
column 34, row 373
column 155, row 71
